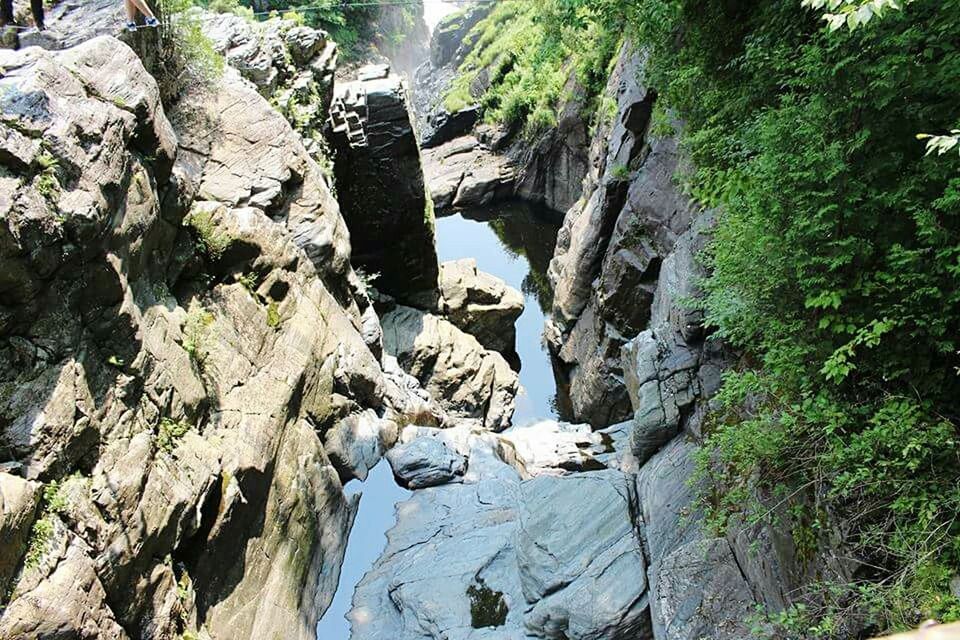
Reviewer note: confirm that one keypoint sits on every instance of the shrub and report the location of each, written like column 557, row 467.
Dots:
column 487, row 607
column 210, row 240
column 169, row 432
column 196, row 332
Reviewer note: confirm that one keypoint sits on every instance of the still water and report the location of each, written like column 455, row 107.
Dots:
column 514, row 242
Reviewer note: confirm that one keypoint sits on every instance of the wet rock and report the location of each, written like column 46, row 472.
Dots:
column 18, row 504
column 381, row 188
column 426, row 462
column 569, row 551
column 468, row 380
column 553, row 167
column 480, row 304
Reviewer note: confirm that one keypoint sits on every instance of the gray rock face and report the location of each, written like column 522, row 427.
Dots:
column 606, row 263
column 469, row 381
column 18, row 505
column 463, row 173
column 179, row 320
column 553, row 168
column 357, row 443
column 480, row 304
column 292, row 65
column 561, row 555
column 381, row 188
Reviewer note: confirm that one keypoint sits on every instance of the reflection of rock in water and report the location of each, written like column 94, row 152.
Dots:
column 528, row 231
column 526, row 234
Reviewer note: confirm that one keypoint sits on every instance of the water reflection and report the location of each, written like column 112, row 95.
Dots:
column 367, row 541
column 514, row 241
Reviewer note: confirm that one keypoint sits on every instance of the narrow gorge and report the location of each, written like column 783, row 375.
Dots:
column 407, row 329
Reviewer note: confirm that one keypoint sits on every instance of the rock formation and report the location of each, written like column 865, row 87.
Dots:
column 489, row 554
column 180, row 325
column 381, row 187
column 480, row 304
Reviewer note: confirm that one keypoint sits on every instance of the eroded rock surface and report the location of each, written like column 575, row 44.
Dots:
column 291, row 64
column 179, row 322
column 480, row 304
column 555, row 556
column 464, row 173
column 468, row 380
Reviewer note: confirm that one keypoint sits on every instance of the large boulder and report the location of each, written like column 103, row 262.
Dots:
column 463, row 173
column 467, row 379
column 480, row 304
column 381, row 188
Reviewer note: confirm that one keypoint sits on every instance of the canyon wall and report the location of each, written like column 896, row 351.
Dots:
column 181, row 330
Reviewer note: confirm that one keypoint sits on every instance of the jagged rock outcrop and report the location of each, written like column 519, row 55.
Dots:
column 494, row 556
column 552, row 167
column 448, row 49
column 546, row 170
column 469, row 381
column 292, row 65
column 480, row 304
column 381, row 189
column 179, row 325
column 610, row 248
column 402, row 35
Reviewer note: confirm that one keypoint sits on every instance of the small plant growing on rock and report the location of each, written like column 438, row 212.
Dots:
column 209, row 239
column 249, row 282
column 39, row 541
column 273, row 315
column 487, row 607
column 196, row 330
column 170, row 432
column 620, row 173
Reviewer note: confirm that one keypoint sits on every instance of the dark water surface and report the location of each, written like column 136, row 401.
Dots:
column 514, row 242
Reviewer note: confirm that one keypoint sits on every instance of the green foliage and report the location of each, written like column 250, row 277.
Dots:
column 185, row 56
column 834, row 266
column 40, row 536
column 196, row 331
column 273, row 315
column 210, row 240
column 620, row 172
column 487, row 607
column 530, row 51
column 169, row 432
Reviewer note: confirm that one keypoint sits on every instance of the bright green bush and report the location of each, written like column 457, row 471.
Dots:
column 530, row 51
